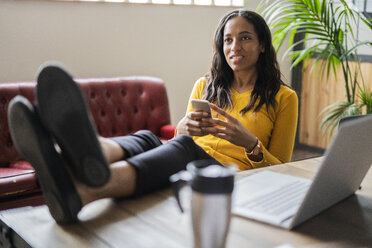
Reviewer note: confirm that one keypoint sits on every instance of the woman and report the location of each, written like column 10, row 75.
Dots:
column 260, row 126
column 256, row 124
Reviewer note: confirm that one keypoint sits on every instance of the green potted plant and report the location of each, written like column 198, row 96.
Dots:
column 326, row 30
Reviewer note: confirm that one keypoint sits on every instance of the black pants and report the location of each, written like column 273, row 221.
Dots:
column 156, row 162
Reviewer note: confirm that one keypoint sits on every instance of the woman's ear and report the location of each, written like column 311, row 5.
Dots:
column 262, row 48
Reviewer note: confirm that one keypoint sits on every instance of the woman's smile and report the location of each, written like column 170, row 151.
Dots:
column 236, row 58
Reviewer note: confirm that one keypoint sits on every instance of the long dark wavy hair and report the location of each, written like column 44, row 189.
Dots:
column 221, row 76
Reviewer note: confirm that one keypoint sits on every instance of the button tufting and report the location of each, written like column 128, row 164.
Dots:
column 108, row 102
column 135, row 109
column 123, row 92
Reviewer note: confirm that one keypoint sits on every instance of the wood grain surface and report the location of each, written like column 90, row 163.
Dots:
column 155, row 221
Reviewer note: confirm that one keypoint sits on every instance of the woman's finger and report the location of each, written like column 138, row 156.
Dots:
column 219, row 122
column 195, row 123
column 221, row 135
column 194, row 131
column 196, row 115
column 218, row 130
column 222, row 112
column 205, row 123
column 199, row 122
column 210, row 130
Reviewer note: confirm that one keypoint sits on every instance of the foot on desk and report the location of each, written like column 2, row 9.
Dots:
column 64, row 112
column 34, row 143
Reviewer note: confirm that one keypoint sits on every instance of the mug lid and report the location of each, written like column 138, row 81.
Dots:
column 212, row 178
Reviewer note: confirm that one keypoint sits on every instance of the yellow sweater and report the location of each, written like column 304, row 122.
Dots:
column 275, row 130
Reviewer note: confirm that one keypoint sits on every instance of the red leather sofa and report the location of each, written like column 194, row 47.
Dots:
column 119, row 106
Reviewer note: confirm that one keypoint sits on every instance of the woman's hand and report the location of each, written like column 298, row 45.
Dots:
column 230, row 129
column 194, row 123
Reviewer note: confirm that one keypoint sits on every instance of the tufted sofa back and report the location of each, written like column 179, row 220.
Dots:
column 119, row 106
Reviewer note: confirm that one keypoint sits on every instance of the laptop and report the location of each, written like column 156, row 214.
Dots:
column 287, row 201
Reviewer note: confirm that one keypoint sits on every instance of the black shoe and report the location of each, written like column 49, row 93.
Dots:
column 64, row 112
column 35, row 145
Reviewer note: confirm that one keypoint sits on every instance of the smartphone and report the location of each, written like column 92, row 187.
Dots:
column 201, row 105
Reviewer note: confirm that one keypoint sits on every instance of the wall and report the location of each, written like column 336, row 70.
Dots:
column 111, row 39
column 327, row 92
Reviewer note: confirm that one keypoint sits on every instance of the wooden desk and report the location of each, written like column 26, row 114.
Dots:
column 155, row 221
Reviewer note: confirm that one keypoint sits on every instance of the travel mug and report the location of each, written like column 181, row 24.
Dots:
column 212, row 187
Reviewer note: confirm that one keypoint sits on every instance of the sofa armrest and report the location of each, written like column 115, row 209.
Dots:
column 167, row 132
column 16, row 181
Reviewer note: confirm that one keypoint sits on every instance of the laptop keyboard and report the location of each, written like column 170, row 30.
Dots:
column 279, row 200
column 269, row 197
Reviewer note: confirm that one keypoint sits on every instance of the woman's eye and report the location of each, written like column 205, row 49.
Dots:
column 228, row 40
column 246, row 38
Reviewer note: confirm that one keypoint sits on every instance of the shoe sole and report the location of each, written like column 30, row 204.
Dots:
column 64, row 113
column 36, row 147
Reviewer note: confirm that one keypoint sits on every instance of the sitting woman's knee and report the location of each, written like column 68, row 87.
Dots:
column 184, row 138
column 145, row 132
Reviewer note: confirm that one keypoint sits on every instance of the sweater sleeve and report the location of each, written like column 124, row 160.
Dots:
column 280, row 147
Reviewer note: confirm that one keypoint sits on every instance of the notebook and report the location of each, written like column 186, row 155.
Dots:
column 287, row 201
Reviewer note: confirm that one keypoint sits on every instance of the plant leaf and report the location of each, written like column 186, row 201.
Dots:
column 334, row 112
